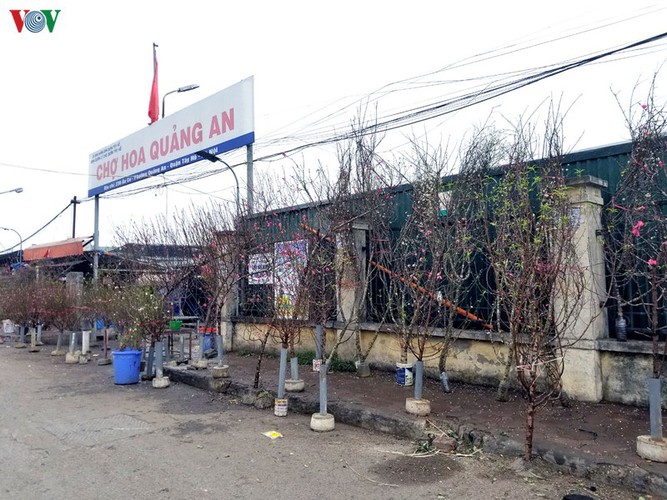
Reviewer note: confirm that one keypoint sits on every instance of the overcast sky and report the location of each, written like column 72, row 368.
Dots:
column 86, row 84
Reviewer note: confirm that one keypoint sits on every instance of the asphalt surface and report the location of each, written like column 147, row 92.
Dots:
column 67, row 431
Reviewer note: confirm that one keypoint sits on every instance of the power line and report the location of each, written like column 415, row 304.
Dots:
column 420, row 114
column 41, row 228
column 47, row 170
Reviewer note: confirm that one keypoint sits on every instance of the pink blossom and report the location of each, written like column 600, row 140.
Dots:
column 660, row 164
column 643, row 106
column 652, row 262
column 636, row 227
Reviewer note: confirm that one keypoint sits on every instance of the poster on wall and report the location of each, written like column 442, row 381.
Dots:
column 260, row 270
column 290, row 260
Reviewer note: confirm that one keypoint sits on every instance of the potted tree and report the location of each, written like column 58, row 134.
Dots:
column 125, row 307
column 636, row 251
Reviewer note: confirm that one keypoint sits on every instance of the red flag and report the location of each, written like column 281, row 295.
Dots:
column 154, row 103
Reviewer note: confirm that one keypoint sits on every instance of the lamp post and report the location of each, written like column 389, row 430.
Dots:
column 185, row 88
column 212, row 158
column 20, row 242
column 15, row 190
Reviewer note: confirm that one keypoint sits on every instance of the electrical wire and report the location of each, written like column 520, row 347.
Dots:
column 418, row 115
column 40, row 229
column 476, row 95
column 488, row 87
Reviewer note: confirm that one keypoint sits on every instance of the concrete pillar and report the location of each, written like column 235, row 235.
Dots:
column 227, row 312
column 352, row 282
column 582, row 378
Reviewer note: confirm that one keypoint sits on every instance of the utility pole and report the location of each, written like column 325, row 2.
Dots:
column 250, row 183
column 74, row 203
column 96, row 241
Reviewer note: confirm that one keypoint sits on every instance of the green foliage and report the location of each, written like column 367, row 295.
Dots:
column 138, row 311
column 338, row 365
column 305, row 357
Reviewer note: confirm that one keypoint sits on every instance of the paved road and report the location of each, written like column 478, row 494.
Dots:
column 66, row 431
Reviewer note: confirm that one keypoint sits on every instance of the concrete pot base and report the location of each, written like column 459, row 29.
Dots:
column 101, row 361
column 650, row 449
column 294, row 385
column 220, row 371
column 322, row 423
column 58, row 352
column 20, row 345
column 199, row 364
column 160, row 382
column 72, row 359
column 419, row 407
column 363, row 370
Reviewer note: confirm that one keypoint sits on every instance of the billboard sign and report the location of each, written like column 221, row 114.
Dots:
column 216, row 124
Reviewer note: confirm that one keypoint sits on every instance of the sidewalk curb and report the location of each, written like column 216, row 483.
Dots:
column 565, row 460
column 345, row 413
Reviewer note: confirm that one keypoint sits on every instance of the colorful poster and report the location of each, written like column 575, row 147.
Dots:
column 290, row 261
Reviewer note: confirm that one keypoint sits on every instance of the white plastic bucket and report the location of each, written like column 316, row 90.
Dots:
column 404, row 374
column 280, row 407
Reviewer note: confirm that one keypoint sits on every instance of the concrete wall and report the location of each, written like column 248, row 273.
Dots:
column 596, row 367
column 626, row 367
column 478, row 358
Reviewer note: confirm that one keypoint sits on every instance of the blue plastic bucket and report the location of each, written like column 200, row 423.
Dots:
column 404, row 374
column 126, row 367
column 207, row 341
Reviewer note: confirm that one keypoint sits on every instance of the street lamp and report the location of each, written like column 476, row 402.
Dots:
column 212, row 158
column 185, row 88
column 20, row 240
column 15, row 190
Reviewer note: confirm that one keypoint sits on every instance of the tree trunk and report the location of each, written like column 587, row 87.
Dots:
column 530, row 424
column 258, row 368
column 357, row 344
column 503, row 387
column 442, row 364
column 403, row 359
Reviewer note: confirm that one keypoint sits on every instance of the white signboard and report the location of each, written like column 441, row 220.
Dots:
column 260, row 269
column 219, row 123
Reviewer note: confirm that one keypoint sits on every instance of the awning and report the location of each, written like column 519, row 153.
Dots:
column 64, row 248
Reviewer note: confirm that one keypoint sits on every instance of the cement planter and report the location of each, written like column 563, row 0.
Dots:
column 650, row 449
column 419, row 407
column 294, row 385
column 322, row 423
column 363, row 369
column 653, row 447
column 220, row 371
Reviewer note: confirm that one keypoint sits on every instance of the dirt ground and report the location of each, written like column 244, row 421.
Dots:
column 67, row 430
column 604, row 432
